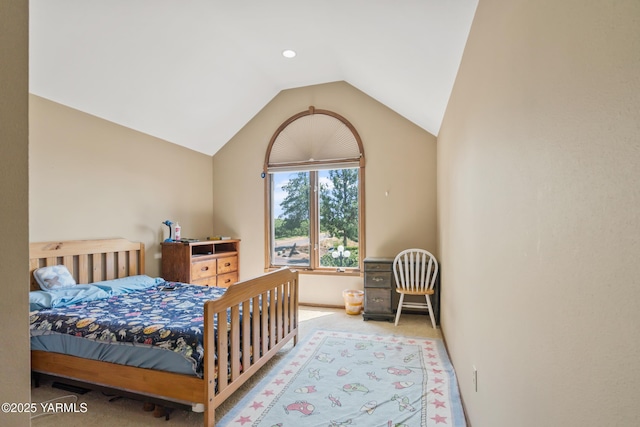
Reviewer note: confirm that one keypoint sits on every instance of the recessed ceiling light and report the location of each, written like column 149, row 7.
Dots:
column 288, row 53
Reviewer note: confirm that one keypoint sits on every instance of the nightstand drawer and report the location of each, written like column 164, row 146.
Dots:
column 226, row 280
column 381, row 279
column 378, row 301
column 203, row 269
column 227, row 265
column 377, row 266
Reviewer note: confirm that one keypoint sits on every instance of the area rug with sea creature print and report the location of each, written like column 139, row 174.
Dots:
column 348, row 379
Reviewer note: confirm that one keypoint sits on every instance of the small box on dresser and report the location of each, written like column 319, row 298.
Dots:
column 206, row 263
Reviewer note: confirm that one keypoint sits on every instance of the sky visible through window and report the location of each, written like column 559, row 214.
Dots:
column 279, row 194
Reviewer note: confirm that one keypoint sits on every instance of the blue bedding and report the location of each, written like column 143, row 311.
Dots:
column 148, row 317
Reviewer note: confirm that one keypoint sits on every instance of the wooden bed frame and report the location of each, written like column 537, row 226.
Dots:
column 272, row 326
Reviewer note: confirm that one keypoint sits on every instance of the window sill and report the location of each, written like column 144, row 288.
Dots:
column 320, row 272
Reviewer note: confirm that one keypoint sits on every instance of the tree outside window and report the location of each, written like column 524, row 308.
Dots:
column 334, row 233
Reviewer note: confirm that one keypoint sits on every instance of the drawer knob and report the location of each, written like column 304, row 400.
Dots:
column 227, row 281
column 377, row 279
column 378, row 300
column 204, row 268
column 227, row 264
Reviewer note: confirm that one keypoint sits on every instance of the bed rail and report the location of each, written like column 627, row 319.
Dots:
column 272, row 300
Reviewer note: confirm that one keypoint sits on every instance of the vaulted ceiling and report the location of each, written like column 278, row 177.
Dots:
column 195, row 72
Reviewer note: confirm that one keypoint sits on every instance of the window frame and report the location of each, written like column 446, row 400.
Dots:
column 312, row 167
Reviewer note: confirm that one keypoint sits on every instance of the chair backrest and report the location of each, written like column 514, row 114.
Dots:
column 415, row 270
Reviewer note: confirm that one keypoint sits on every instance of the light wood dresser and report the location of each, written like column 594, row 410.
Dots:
column 206, row 263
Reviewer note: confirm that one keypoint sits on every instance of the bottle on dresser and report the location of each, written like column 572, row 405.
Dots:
column 176, row 232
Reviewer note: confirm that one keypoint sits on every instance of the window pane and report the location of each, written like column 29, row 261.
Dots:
column 290, row 221
column 338, row 218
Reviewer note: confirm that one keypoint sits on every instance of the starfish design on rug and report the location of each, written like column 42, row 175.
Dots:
column 243, row 420
column 438, row 419
column 438, row 404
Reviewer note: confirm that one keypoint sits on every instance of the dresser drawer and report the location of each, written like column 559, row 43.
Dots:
column 207, row 281
column 203, row 269
column 380, row 279
column 227, row 264
column 226, row 280
column 378, row 301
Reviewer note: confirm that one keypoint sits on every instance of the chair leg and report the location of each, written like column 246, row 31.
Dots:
column 399, row 308
column 433, row 318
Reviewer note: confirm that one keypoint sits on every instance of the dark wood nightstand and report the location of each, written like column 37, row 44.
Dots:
column 379, row 285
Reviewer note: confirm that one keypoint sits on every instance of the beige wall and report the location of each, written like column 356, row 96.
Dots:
column 14, row 190
column 90, row 178
column 400, row 160
column 538, row 200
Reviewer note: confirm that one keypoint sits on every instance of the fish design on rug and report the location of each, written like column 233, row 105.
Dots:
column 398, row 371
column 403, row 403
column 301, row 406
column 306, row 389
column 343, row 371
column 355, row 387
column 402, row 384
column 369, row 407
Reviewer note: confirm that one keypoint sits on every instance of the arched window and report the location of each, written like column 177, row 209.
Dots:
column 314, row 167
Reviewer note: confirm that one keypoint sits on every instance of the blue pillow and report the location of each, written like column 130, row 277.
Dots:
column 39, row 300
column 53, row 277
column 127, row 284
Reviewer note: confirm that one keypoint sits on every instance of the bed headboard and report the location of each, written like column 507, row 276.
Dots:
column 89, row 260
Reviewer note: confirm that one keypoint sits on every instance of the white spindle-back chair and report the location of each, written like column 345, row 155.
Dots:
column 415, row 271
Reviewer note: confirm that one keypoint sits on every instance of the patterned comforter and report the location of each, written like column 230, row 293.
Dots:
column 172, row 320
